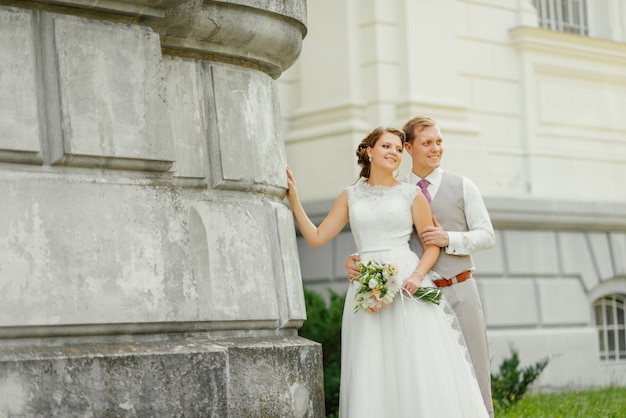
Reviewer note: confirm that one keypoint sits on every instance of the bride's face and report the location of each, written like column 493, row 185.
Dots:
column 386, row 153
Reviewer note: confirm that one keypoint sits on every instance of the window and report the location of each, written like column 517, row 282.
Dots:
column 610, row 324
column 563, row 15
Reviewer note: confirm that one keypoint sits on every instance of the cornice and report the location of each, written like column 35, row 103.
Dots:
column 555, row 214
column 561, row 44
column 533, row 214
column 260, row 33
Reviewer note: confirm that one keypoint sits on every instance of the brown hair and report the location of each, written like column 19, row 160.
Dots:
column 369, row 141
column 419, row 121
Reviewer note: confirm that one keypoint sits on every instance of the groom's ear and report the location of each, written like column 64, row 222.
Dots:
column 407, row 147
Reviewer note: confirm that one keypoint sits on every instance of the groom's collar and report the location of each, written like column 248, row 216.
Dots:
column 434, row 177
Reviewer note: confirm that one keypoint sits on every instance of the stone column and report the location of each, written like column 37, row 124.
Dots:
column 147, row 264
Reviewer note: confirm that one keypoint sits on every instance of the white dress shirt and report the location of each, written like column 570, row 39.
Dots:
column 480, row 235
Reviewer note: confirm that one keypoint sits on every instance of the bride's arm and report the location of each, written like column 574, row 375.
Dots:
column 422, row 217
column 334, row 222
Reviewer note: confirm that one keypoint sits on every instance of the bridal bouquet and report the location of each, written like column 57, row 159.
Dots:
column 379, row 286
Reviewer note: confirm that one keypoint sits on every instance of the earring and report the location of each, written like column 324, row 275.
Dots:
column 370, row 158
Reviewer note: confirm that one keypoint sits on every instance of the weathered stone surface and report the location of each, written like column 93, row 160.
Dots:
column 190, row 377
column 130, row 380
column 85, row 245
column 249, row 272
column 185, row 84
column 105, row 117
column 20, row 129
column 235, row 95
column 141, row 227
column 270, row 379
column 88, row 250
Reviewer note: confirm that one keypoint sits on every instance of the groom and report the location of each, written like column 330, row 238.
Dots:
column 462, row 227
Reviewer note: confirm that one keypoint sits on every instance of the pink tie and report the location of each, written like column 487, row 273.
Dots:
column 423, row 183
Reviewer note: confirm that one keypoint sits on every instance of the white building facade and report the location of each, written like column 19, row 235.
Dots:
column 531, row 100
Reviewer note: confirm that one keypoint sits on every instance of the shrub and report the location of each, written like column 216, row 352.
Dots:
column 511, row 383
column 323, row 325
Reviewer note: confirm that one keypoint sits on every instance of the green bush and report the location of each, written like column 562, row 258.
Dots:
column 323, row 325
column 511, row 383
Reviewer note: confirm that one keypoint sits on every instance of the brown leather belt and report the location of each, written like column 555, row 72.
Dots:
column 453, row 280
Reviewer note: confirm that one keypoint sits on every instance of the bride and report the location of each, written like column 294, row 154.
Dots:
column 406, row 359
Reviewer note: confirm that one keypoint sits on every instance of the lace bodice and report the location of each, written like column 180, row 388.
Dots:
column 380, row 217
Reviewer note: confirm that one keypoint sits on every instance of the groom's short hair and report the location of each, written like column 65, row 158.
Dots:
column 415, row 125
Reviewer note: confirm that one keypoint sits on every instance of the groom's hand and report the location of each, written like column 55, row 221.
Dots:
column 435, row 235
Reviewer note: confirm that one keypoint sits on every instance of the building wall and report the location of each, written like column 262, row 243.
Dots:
column 534, row 117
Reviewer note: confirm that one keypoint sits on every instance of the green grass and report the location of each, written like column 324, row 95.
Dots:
column 601, row 403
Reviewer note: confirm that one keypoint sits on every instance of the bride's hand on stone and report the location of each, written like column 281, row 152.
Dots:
column 292, row 193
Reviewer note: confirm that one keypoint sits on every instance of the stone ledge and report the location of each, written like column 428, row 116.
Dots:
column 554, row 214
column 229, row 31
column 159, row 379
column 189, row 377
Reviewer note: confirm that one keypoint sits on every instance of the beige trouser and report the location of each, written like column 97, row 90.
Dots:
column 463, row 297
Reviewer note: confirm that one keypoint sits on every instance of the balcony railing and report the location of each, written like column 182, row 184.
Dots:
column 563, row 15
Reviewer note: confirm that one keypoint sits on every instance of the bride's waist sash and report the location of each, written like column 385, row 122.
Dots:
column 383, row 248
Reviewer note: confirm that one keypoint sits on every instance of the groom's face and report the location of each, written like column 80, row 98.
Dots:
column 426, row 150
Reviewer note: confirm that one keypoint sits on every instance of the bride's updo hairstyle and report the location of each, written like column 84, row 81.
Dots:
column 369, row 141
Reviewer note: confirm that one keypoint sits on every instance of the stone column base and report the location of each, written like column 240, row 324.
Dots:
column 180, row 377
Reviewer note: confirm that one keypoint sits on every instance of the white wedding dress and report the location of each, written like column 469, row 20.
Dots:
column 407, row 360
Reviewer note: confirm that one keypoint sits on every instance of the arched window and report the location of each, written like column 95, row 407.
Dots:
column 609, row 311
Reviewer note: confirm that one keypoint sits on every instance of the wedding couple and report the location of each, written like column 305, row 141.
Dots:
column 410, row 358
